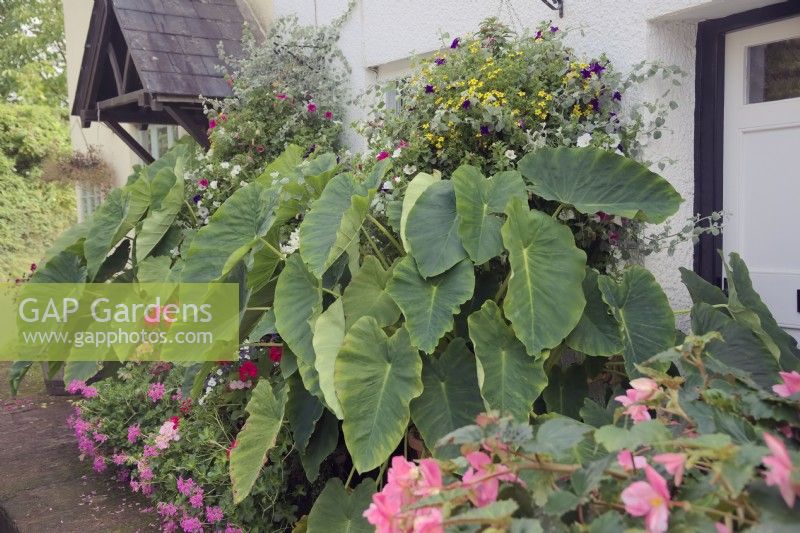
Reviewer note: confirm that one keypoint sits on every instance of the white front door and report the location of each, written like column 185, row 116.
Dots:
column 761, row 172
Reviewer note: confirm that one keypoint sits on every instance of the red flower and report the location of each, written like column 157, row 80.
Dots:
column 33, row 267
column 275, row 353
column 260, row 149
column 381, row 156
column 186, row 406
column 176, row 421
column 312, row 107
column 202, row 183
column 212, row 124
column 328, row 115
column 248, row 370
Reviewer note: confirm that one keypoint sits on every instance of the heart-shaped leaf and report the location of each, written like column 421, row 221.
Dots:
column 329, row 332
column 597, row 332
column 414, row 190
column 451, row 398
column 366, row 295
column 340, row 511
column 256, row 438
column 376, row 378
column 302, row 411
column 234, row 229
column 429, row 304
column 646, row 320
column 478, row 201
column 333, row 223
column 162, row 215
column 595, row 180
column 432, row 230
column 322, row 443
column 545, row 295
column 510, row 379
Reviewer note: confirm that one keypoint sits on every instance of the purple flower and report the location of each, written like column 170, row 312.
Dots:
column 485, row 130
column 613, row 238
column 133, row 433
column 440, row 61
column 156, row 391
column 214, row 514
column 429, row 89
column 167, row 509
column 595, row 103
column 196, row 198
column 466, row 104
column 196, row 499
column 553, row 29
column 597, row 68
column 191, row 524
column 150, row 451
column 538, row 35
column 185, row 486
column 455, row 43
column 99, row 464
column 617, row 96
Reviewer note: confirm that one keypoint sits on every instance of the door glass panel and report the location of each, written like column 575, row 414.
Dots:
column 773, row 71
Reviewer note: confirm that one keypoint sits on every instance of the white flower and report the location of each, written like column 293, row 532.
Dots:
column 242, row 183
column 215, row 203
column 202, row 211
column 225, row 165
column 511, row 155
column 274, row 174
column 293, row 244
column 387, row 186
column 214, row 184
column 584, row 140
column 397, row 179
column 409, row 169
column 397, row 153
column 212, row 382
column 236, row 170
column 175, row 252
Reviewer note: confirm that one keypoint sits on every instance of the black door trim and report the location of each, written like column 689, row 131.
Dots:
column 709, row 120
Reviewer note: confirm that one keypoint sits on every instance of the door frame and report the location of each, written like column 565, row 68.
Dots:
column 710, row 120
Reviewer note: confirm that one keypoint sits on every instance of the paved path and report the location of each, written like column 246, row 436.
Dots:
column 44, row 488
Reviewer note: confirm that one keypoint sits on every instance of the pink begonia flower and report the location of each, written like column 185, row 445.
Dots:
column 155, row 392
column 428, row 520
column 381, row 156
column 722, row 528
column 384, row 509
column 483, row 477
column 638, row 413
column 312, row 107
column 649, row 499
column 790, row 385
column 75, row 386
column 780, row 469
column 642, row 389
column 673, row 463
column 629, row 462
column 214, row 514
column 133, row 433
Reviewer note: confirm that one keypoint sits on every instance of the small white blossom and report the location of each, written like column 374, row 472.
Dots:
column 236, row 170
column 175, row 252
column 215, row 203
column 409, row 169
column 202, row 211
column 212, row 382
column 511, row 155
column 292, row 244
column 225, row 165
column 387, row 186
column 242, row 183
column 397, row 153
column 584, row 140
column 214, row 184
column 274, row 174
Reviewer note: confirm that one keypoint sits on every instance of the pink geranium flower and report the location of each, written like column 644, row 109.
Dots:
column 312, row 107
column 214, row 514
column 428, row 520
column 155, row 392
column 381, row 156
column 99, row 464
column 638, row 413
column 629, row 462
column 780, row 469
column 328, row 115
column 89, row 392
column 483, row 477
column 674, row 463
column 649, row 499
column 642, row 389
column 212, row 124
column 185, row 486
column 790, row 385
column 133, row 433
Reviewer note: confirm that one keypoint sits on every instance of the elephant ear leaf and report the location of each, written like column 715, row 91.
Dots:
column 510, row 379
column 119, row 213
column 334, row 222
column 414, row 190
column 478, row 201
column 595, row 180
column 545, row 298
column 236, row 227
column 645, row 317
column 376, row 377
column 366, row 295
column 597, row 332
column 432, row 230
column 258, row 436
column 160, row 219
column 340, row 511
column 429, row 305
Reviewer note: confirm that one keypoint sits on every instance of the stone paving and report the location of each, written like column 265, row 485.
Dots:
column 44, row 488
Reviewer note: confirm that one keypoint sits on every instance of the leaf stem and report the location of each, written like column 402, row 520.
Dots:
column 558, row 210
column 378, row 253
column 350, row 477
column 501, row 291
column 387, row 234
column 273, row 249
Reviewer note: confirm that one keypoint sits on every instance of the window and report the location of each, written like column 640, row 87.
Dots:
column 89, row 199
column 157, row 139
column 773, row 71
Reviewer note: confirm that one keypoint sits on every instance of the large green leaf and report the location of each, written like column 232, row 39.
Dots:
column 545, row 297
column 298, row 303
column 746, row 306
column 510, row 379
column 153, row 269
column 329, row 332
column 80, row 370
column 366, row 295
column 429, row 304
column 739, row 348
column 597, row 333
column 284, row 165
column 702, row 291
column 340, row 511
column 432, row 230
column 64, row 267
column 414, row 190
column 376, row 378
column 478, row 201
column 322, row 443
column 265, row 261
column 256, row 438
column 160, row 219
column 595, row 180
column 68, row 239
column 232, row 232
column 16, row 373
column 646, row 320
column 451, row 397
column 333, row 223
column 302, row 411
column 118, row 214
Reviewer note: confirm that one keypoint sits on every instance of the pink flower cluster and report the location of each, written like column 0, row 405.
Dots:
column 167, row 433
column 155, row 392
column 483, row 478
column 779, row 469
column 790, row 385
column 79, row 387
column 406, row 484
column 642, row 390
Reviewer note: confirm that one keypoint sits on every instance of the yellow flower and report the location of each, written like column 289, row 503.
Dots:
column 521, row 93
